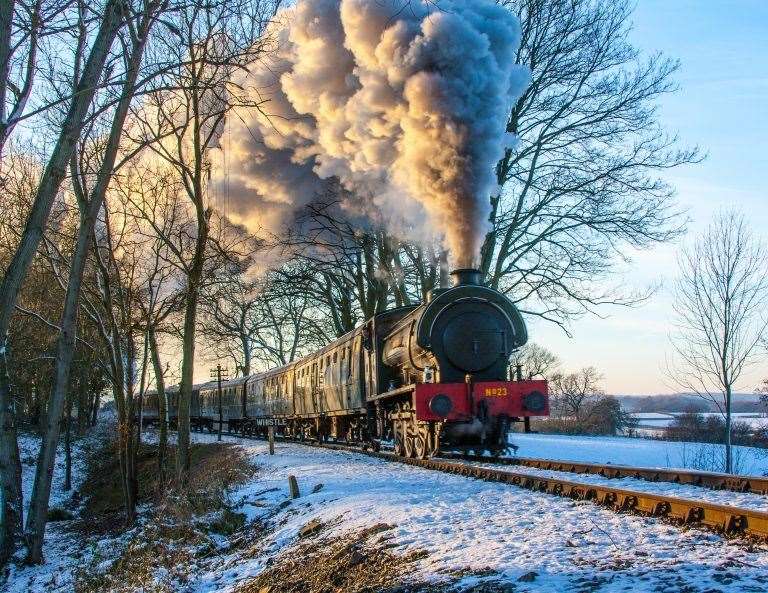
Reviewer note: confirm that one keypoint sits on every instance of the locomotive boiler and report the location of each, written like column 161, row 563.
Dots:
column 425, row 378
column 454, row 351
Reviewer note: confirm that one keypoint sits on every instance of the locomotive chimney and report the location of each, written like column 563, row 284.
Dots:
column 467, row 276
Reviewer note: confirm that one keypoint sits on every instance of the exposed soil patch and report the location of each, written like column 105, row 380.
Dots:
column 358, row 563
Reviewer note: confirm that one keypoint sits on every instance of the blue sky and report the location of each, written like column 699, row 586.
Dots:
column 722, row 107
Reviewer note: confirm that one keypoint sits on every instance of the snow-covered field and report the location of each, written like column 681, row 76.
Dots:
column 478, row 525
column 491, row 532
column 655, row 423
column 639, row 452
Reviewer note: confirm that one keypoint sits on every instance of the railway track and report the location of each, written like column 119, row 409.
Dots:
column 703, row 479
column 730, row 521
column 724, row 519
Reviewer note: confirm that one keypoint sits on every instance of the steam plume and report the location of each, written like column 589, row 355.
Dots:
column 406, row 103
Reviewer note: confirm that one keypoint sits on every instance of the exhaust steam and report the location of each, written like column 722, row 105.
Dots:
column 404, row 102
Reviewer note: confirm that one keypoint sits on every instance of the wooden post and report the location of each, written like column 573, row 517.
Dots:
column 271, row 436
column 293, row 486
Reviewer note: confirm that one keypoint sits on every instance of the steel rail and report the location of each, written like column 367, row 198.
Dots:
column 703, row 479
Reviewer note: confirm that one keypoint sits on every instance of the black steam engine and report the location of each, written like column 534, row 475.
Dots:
column 426, row 378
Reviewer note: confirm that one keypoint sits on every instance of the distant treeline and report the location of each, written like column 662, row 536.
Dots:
column 696, row 428
column 742, row 402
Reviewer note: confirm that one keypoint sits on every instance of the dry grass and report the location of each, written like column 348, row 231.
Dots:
column 155, row 561
column 215, row 468
column 162, row 554
column 350, row 564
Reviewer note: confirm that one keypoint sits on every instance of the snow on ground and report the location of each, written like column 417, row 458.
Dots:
column 656, row 423
column 500, row 532
column 639, row 452
column 29, row 446
column 464, row 523
column 61, row 550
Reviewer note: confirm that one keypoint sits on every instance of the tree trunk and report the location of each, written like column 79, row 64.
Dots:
column 126, row 455
column 38, row 508
column 190, row 325
column 67, row 338
column 728, row 446
column 246, row 342
column 11, row 518
column 42, row 411
column 95, row 405
column 162, row 409
column 68, row 445
column 142, row 390
column 11, row 283
column 185, row 389
column 83, row 411
column 6, row 28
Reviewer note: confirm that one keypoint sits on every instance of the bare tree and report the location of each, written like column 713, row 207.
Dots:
column 27, row 29
column 763, row 391
column 354, row 268
column 232, row 321
column 572, row 391
column 139, row 28
column 534, row 361
column 583, row 182
column 182, row 120
column 721, row 307
column 53, row 175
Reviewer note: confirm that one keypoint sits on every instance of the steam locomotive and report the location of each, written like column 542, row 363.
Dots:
column 428, row 378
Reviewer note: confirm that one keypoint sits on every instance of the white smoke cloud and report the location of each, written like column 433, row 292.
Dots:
column 405, row 103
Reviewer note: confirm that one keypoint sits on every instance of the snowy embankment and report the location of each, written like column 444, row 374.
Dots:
column 639, row 452
column 494, row 532
column 62, row 551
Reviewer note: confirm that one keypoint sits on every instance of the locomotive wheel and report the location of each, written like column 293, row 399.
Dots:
column 399, row 434
column 420, row 447
column 409, row 442
column 421, row 439
column 399, row 445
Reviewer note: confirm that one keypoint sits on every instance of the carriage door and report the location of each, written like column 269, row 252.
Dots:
column 316, row 373
column 346, row 376
column 367, row 353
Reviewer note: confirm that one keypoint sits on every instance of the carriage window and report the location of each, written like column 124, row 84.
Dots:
column 328, row 360
column 335, row 357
